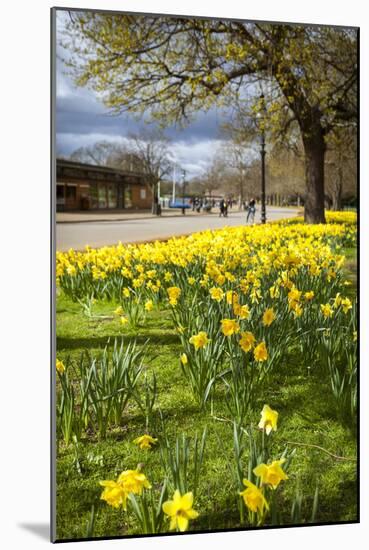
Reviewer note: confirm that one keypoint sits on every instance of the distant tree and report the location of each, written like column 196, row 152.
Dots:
column 341, row 166
column 172, row 67
column 99, row 153
column 286, row 171
column 213, row 176
column 150, row 153
column 238, row 154
column 124, row 158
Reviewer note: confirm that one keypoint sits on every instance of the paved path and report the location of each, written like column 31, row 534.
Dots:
column 101, row 233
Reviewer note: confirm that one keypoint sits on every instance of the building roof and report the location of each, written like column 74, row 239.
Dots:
column 107, row 170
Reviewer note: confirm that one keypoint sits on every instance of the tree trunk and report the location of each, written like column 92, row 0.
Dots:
column 314, row 147
column 337, row 197
column 155, row 200
column 338, row 185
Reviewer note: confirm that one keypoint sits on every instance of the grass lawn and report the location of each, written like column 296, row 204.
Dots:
column 325, row 448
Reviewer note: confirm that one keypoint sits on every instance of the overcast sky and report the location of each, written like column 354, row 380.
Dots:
column 81, row 119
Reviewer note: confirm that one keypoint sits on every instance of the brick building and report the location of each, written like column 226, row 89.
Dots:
column 88, row 187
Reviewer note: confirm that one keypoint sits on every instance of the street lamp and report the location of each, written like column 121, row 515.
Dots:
column 174, row 184
column 183, row 191
column 261, row 117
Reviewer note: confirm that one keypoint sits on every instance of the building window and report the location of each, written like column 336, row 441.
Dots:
column 102, row 195
column 112, row 195
column 60, row 198
column 127, row 196
column 71, row 193
column 94, row 199
column 143, row 194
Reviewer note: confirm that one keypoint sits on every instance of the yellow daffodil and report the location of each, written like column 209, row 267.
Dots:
column 261, row 352
column 309, row 295
column 346, row 304
column 126, row 292
column 145, row 441
column 337, row 301
column 327, row 310
column 268, row 317
column 118, row 311
column 294, row 295
column 149, row 305
column 199, row 340
column 168, row 276
column 269, row 419
column 297, row 309
column 114, row 494
column 255, row 295
column 236, row 309
column 231, row 297
column 247, row 341
column 216, row 293
column 191, row 280
column 123, row 320
column 274, row 292
column 184, row 359
column 134, row 481
column 71, row 270
column 180, row 511
column 60, row 367
column 244, row 312
column 253, row 498
column 174, row 293
column 229, row 327
column 271, row 474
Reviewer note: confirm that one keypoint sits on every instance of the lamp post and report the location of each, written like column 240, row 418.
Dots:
column 174, row 184
column 183, row 191
column 261, row 117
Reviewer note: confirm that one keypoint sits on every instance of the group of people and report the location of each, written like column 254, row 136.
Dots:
column 250, row 207
column 199, row 204
column 223, row 208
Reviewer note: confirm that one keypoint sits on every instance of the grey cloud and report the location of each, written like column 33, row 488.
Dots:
column 82, row 119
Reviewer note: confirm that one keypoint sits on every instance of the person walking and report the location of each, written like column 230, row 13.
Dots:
column 221, row 207
column 251, row 209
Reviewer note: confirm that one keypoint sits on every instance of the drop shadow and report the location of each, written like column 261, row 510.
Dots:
column 42, row 530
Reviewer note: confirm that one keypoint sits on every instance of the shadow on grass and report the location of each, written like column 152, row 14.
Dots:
column 155, row 338
column 345, row 499
column 210, row 521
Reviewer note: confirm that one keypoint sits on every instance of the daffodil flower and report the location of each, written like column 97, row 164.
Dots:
column 60, row 367
column 271, row 474
column 269, row 419
column 145, row 441
column 180, row 511
column 199, row 340
column 261, row 352
column 229, row 327
column 253, row 498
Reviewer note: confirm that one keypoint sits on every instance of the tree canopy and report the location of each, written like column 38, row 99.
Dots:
column 171, row 67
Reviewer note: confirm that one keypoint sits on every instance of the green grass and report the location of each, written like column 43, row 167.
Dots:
column 306, row 417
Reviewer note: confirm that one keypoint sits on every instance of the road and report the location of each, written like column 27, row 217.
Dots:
column 101, row 233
